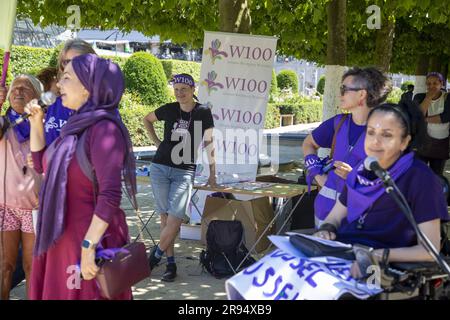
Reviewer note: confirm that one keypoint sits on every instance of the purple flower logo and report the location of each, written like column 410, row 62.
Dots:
column 210, row 106
column 215, row 52
column 210, row 84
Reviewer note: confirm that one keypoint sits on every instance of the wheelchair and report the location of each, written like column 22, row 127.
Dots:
column 418, row 280
column 415, row 281
column 410, row 280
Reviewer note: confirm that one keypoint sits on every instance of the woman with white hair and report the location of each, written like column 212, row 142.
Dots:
column 20, row 182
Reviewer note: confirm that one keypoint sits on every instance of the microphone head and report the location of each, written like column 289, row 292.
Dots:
column 48, row 98
column 369, row 162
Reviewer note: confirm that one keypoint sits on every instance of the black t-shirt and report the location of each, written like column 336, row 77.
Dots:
column 179, row 134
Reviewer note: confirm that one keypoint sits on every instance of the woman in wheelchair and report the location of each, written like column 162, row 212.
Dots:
column 365, row 214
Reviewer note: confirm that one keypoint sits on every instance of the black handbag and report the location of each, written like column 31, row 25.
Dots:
column 312, row 248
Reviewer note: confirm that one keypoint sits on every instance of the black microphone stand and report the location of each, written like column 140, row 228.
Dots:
column 395, row 193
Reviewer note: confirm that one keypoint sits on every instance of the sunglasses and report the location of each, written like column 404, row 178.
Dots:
column 344, row 89
column 65, row 62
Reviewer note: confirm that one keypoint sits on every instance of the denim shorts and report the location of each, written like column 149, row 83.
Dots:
column 172, row 189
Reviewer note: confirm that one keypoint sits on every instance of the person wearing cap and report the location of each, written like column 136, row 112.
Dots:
column 435, row 105
column 186, row 123
column 22, row 182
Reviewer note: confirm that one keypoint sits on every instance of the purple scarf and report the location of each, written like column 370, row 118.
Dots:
column 22, row 130
column 362, row 193
column 105, row 83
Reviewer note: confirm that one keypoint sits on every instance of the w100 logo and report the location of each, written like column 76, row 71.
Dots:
column 237, row 51
column 250, row 85
column 251, row 53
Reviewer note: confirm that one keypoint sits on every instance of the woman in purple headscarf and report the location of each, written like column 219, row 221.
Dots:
column 367, row 215
column 75, row 214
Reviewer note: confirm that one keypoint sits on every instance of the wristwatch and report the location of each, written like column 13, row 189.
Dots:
column 88, row 244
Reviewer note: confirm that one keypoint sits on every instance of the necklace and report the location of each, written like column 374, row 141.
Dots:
column 362, row 219
column 190, row 115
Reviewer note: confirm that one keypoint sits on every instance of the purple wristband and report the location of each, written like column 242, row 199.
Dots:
column 313, row 167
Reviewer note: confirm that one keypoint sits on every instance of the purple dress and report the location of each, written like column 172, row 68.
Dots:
column 54, row 272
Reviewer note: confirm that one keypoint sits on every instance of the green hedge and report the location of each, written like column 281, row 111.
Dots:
column 144, row 75
column 29, row 60
column 172, row 67
column 288, row 79
column 133, row 112
column 9, row 76
column 321, row 85
column 395, row 95
column 273, row 86
column 272, row 116
column 120, row 61
column 304, row 112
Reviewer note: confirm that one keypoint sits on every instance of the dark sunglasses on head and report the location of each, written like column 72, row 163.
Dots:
column 65, row 62
column 344, row 89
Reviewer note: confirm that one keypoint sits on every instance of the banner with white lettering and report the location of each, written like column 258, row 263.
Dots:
column 235, row 83
column 286, row 274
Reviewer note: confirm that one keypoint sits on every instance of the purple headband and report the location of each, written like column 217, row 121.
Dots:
column 437, row 75
column 183, row 78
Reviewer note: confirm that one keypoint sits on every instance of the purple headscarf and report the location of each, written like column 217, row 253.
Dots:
column 105, row 83
column 362, row 193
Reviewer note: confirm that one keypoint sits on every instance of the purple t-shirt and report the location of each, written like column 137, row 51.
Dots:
column 55, row 118
column 323, row 134
column 385, row 225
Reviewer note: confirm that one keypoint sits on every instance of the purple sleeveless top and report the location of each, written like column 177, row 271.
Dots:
column 343, row 151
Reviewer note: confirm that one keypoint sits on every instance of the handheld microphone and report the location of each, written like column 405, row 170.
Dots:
column 371, row 164
column 46, row 99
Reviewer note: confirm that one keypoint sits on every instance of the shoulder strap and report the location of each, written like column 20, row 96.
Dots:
column 336, row 130
column 82, row 157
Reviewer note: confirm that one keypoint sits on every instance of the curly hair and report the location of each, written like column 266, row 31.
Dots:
column 47, row 76
column 376, row 83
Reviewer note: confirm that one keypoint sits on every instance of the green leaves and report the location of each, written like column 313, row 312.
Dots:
column 301, row 25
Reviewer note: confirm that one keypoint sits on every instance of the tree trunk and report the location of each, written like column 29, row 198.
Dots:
column 444, row 72
column 435, row 64
column 336, row 56
column 234, row 16
column 421, row 72
column 384, row 43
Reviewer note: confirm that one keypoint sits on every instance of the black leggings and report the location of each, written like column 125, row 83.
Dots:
column 437, row 165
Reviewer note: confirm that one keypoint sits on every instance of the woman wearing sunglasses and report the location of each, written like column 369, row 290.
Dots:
column 57, row 114
column 361, row 90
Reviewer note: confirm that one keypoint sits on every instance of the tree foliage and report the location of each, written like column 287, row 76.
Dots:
column 144, row 76
column 421, row 26
column 287, row 79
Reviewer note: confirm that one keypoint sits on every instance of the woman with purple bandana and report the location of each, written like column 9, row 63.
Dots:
column 361, row 90
column 366, row 215
column 20, row 195
column 76, row 214
column 186, row 123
